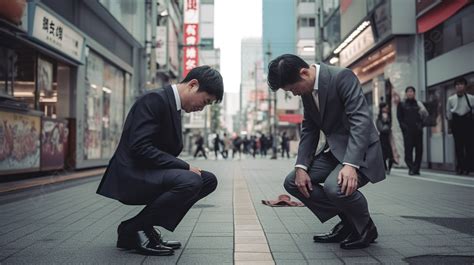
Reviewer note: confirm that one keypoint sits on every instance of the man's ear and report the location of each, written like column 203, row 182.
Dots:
column 193, row 84
column 304, row 73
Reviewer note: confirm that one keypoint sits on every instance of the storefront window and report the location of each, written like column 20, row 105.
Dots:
column 7, row 61
column 93, row 106
column 112, row 115
column 24, row 76
column 104, row 107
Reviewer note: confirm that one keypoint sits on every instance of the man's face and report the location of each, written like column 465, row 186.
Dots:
column 460, row 88
column 196, row 100
column 410, row 94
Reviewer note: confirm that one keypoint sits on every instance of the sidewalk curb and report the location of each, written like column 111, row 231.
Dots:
column 47, row 180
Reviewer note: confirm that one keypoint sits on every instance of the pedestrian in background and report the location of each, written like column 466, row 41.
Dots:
column 460, row 115
column 285, row 145
column 226, row 146
column 384, row 126
column 263, row 145
column 237, row 146
column 411, row 113
column 216, row 144
column 200, row 146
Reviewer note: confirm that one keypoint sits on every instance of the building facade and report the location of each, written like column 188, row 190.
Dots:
column 394, row 44
column 70, row 70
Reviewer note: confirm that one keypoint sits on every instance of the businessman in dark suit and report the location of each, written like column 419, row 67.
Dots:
column 145, row 169
column 352, row 156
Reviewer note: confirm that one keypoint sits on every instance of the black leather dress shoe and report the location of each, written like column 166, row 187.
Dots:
column 337, row 234
column 169, row 243
column 356, row 241
column 143, row 243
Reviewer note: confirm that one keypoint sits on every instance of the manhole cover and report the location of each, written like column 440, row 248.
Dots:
column 440, row 259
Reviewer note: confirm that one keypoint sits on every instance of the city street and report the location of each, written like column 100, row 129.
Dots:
column 428, row 219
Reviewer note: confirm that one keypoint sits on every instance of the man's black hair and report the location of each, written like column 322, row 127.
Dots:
column 460, row 80
column 210, row 81
column 284, row 70
column 410, row 88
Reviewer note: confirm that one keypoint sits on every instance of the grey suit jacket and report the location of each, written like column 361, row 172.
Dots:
column 344, row 119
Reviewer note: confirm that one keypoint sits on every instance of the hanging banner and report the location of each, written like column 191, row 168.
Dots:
column 191, row 35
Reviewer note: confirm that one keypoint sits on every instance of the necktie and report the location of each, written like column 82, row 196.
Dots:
column 316, row 98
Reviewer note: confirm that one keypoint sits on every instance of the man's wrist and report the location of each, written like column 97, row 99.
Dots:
column 303, row 167
column 351, row 165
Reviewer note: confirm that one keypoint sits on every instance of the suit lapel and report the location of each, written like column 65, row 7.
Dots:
column 176, row 116
column 323, row 88
column 310, row 103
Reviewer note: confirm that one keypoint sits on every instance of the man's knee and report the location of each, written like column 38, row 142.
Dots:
column 289, row 183
column 191, row 182
column 333, row 190
column 209, row 180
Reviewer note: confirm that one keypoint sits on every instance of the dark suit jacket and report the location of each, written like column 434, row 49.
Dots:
column 344, row 119
column 150, row 141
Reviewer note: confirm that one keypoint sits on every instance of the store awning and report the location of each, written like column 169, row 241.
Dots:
column 439, row 14
column 291, row 118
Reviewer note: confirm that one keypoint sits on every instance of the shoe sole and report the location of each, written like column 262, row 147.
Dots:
column 361, row 246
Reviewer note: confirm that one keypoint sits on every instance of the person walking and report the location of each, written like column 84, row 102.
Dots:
column 384, row 126
column 200, row 146
column 411, row 113
column 285, row 145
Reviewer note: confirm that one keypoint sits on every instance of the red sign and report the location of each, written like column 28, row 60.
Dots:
column 191, row 52
column 291, row 118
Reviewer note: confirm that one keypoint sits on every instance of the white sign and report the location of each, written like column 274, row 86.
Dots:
column 359, row 45
column 51, row 30
column 191, row 11
column 161, row 45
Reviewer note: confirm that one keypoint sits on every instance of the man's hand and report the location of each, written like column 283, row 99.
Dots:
column 303, row 182
column 347, row 179
column 195, row 170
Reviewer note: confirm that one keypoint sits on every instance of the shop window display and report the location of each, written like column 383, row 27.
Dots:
column 104, row 106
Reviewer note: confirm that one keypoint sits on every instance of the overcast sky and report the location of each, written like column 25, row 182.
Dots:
column 234, row 20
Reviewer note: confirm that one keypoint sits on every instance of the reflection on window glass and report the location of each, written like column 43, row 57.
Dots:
column 103, row 109
column 24, row 85
column 435, row 95
column 453, row 33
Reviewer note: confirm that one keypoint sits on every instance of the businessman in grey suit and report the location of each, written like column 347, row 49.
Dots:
column 352, row 156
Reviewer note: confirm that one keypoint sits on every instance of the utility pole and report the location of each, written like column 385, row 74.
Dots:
column 319, row 30
column 269, row 98
column 256, row 98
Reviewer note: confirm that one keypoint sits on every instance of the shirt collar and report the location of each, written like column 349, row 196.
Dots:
column 176, row 97
column 316, row 86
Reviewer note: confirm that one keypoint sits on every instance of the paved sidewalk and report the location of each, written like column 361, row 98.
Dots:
column 414, row 217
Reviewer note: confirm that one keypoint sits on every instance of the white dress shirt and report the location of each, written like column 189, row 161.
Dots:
column 176, row 97
column 459, row 105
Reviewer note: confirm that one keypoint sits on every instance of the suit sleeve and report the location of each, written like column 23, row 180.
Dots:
column 357, row 111
column 146, row 124
column 309, row 140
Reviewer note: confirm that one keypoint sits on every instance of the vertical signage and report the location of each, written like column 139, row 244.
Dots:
column 191, row 35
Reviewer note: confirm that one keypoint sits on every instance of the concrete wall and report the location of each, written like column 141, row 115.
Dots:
column 442, row 67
